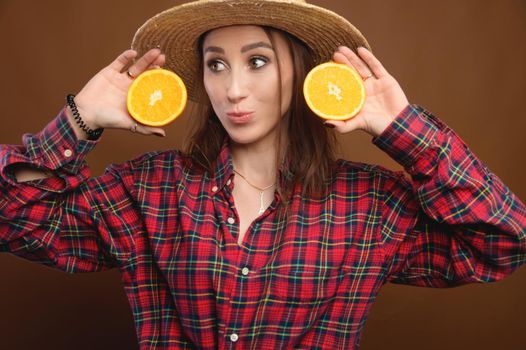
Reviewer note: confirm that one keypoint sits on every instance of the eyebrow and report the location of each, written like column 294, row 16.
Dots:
column 244, row 49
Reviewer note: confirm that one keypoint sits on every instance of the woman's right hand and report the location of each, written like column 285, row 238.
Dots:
column 102, row 101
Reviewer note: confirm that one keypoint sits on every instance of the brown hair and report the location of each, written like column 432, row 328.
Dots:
column 305, row 151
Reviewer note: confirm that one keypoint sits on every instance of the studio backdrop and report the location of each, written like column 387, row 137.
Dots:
column 463, row 60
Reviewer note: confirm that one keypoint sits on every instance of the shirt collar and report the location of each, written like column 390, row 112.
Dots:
column 224, row 169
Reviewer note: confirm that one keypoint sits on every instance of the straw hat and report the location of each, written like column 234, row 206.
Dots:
column 176, row 30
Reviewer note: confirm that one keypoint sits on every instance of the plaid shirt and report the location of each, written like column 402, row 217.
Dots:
column 304, row 283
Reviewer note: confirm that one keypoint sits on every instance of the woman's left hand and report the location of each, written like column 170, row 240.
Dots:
column 385, row 98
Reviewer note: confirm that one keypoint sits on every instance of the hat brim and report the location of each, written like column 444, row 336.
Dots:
column 176, row 30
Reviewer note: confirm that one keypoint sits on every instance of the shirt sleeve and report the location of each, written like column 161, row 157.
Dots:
column 454, row 222
column 62, row 221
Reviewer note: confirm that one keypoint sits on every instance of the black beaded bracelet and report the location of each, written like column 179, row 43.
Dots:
column 92, row 134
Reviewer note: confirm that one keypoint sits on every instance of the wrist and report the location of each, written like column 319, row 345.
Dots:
column 89, row 129
column 84, row 112
column 380, row 124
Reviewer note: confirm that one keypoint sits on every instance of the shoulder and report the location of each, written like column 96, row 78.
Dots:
column 347, row 167
column 361, row 182
column 157, row 159
column 373, row 174
column 154, row 163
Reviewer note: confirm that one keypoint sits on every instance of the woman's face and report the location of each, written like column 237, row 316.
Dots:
column 241, row 78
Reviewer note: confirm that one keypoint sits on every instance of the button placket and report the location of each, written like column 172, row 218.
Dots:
column 240, row 288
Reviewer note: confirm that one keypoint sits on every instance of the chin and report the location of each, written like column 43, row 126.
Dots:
column 245, row 137
column 241, row 139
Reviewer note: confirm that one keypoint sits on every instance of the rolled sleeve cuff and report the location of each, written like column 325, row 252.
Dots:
column 57, row 147
column 409, row 135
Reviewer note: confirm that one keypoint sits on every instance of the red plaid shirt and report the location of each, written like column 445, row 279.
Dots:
column 305, row 283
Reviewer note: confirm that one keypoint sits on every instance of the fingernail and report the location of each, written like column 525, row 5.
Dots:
column 159, row 134
column 328, row 125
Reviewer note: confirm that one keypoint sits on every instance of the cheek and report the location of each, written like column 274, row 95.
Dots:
column 212, row 89
column 208, row 88
column 286, row 93
column 267, row 88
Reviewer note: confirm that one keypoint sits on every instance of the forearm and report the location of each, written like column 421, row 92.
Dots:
column 470, row 227
column 24, row 173
column 450, row 182
column 52, row 220
column 56, row 229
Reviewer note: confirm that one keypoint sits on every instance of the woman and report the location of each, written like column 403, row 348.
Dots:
column 255, row 237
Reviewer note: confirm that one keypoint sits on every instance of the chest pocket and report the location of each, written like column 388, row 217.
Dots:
column 306, row 285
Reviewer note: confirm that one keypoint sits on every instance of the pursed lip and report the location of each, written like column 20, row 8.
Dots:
column 239, row 114
column 240, row 117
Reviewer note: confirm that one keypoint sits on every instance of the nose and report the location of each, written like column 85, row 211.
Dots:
column 237, row 88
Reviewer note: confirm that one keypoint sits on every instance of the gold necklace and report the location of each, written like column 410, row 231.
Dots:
column 261, row 190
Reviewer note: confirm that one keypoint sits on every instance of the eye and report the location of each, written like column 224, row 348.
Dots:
column 258, row 62
column 215, row 65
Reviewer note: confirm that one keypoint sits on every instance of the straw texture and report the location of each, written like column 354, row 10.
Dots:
column 176, row 30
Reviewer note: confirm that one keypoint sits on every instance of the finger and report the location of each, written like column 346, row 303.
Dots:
column 123, row 60
column 160, row 60
column 158, row 63
column 344, row 126
column 356, row 61
column 154, row 131
column 144, row 62
column 146, row 130
column 339, row 57
column 376, row 66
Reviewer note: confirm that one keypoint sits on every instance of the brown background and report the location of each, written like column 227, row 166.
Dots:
column 462, row 59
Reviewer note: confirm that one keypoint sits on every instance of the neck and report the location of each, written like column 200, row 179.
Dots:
column 257, row 163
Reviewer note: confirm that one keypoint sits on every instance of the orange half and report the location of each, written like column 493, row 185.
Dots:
column 156, row 97
column 334, row 91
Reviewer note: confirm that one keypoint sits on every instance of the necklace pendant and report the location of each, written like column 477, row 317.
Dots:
column 261, row 190
column 261, row 207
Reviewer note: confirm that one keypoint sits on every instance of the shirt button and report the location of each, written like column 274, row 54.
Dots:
column 245, row 271
column 231, row 220
column 214, row 189
column 234, row 337
column 229, row 182
column 68, row 153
